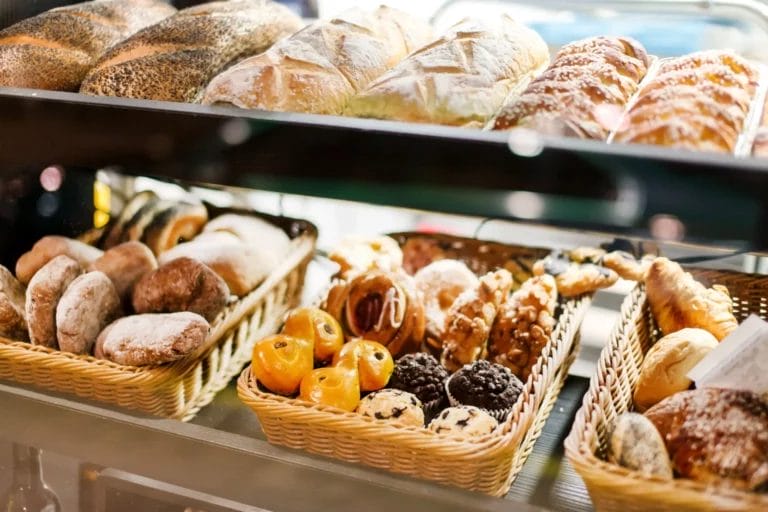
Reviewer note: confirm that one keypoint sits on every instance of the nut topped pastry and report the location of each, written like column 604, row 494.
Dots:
column 584, row 77
column 699, row 101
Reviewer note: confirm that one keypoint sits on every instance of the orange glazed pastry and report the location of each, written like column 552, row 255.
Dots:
column 317, row 326
column 373, row 362
column 280, row 362
column 584, row 77
column 336, row 386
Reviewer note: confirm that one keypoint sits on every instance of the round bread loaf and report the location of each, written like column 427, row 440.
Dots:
column 13, row 323
column 43, row 295
column 183, row 284
column 48, row 248
column 636, row 444
column 125, row 264
column 664, row 369
column 141, row 340
column 88, row 305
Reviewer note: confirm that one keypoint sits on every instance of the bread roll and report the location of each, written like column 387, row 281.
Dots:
column 141, row 340
column 664, row 369
column 43, row 295
column 460, row 79
column 679, row 301
column 319, row 68
column 182, row 284
column 125, row 264
column 13, row 323
column 176, row 58
column 48, row 248
column 699, row 101
column 584, row 77
column 250, row 230
column 54, row 50
column 636, row 444
column 173, row 222
column 716, row 436
column 88, row 305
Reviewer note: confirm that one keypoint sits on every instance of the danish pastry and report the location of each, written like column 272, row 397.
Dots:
column 335, row 386
column 280, row 362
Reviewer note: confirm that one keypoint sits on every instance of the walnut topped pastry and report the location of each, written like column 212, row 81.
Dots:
column 584, row 77
column 699, row 101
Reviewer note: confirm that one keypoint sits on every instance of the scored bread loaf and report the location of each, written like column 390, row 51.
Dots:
column 176, row 58
column 319, row 68
column 584, row 77
column 54, row 50
column 461, row 78
column 699, row 101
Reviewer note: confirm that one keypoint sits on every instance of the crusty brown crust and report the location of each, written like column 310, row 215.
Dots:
column 125, row 264
column 55, row 49
column 48, row 248
column 183, row 284
column 43, row 295
column 141, row 340
column 88, row 305
column 13, row 323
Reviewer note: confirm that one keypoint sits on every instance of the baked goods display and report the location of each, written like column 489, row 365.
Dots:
column 583, row 91
column 700, row 102
column 460, row 79
column 318, row 69
column 77, row 295
column 54, row 50
column 175, row 59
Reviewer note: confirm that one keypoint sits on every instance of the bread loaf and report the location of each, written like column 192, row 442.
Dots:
column 43, row 295
column 13, row 322
column 584, row 77
column 698, row 102
column 55, row 49
column 637, row 445
column 173, row 222
column 251, row 230
column 459, row 79
column 125, row 264
column 48, row 248
column 176, row 58
column 319, row 68
column 88, row 305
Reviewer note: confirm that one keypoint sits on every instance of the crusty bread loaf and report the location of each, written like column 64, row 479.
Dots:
column 584, row 77
column 55, row 49
column 125, row 264
column 459, row 79
column 176, row 58
column 48, row 248
column 43, row 295
column 88, row 305
column 319, row 68
column 13, row 323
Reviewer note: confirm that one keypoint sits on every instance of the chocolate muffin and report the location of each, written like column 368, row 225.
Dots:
column 422, row 375
column 486, row 385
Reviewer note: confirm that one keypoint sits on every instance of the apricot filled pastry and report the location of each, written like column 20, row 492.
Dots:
column 359, row 254
column 379, row 306
column 317, row 326
column 440, row 283
column 469, row 320
column 678, row 301
column 336, row 386
column 280, row 362
column 373, row 362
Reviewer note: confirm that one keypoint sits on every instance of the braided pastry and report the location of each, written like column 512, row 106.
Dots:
column 524, row 326
column 699, row 101
column 583, row 76
column 470, row 318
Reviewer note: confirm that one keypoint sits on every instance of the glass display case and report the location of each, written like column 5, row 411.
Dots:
column 58, row 150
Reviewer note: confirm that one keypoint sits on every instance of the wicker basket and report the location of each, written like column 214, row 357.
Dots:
column 180, row 389
column 610, row 394
column 488, row 464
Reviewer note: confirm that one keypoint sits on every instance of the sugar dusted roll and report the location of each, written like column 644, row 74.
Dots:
column 584, row 90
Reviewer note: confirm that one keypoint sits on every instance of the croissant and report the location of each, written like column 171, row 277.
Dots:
column 524, row 326
column 678, row 301
column 469, row 320
column 379, row 306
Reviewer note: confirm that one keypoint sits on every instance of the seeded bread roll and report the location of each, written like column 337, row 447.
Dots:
column 319, row 68
column 48, row 248
column 636, row 444
column 125, row 264
column 13, row 323
column 89, row 304
column 176, row 58
column 54, row 50
column 43, row 295
column 460, row 79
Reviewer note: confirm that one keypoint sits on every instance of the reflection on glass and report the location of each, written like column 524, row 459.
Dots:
column 28, row 492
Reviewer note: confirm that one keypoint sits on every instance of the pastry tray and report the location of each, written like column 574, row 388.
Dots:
column 488, row 464
column 612, row 487
column 180, row 389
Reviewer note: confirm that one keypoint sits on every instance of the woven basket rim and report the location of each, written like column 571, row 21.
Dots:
column 581, row 444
